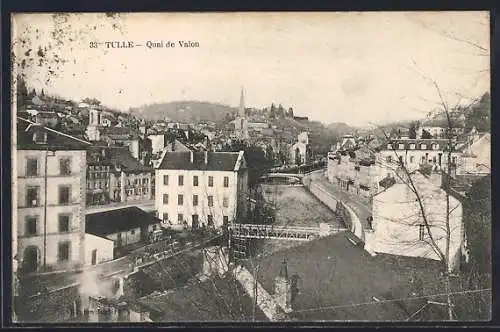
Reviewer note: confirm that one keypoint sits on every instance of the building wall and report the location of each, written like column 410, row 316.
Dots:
column 103, row 246
column 480, row 160
column 157, row 143
column 130, row 236
column 203, row 191
column 414, row 158
column 75, row 209
column 133, row 146
column 302, row 151
column 137, row 186
column 397, row 216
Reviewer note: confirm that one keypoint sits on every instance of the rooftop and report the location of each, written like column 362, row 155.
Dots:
column 56, row 140
column 122, row 156
column 216, row 161
column 119, row 220
column 335, row 280
column 217, row 299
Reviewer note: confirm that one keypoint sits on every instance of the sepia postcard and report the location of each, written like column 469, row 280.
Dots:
column 251, row 167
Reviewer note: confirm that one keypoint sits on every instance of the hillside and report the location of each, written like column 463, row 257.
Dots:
column 185, row 111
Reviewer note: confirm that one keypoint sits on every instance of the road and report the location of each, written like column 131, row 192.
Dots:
column 362, row 210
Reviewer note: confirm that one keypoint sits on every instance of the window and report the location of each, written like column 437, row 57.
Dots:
column 31, row 167
column 225, row 220
column 412, row 146
column 401, row 146
column 225, row 202
column 31, row 225
column 434, row 159
column 421, row 232
column 165, row 180
column 65, row 166
column 132, row 232
column 165, row 198
column 32, row 198
column 389, row 146
column 389, row 159
column 210, row 181
column 195, row 200
column 180, row 217
column 180, row 199
column 181, row 180
column 63, row 223
column 423, row 146
column 435, row 146
column 195, row 181
column 195, row 219
column 210, row 219
column 210, row 201
column 165, row 216
column 63, row 251
column 226, row 182
column 64, row 194
column 423, row 159
column 412, row 159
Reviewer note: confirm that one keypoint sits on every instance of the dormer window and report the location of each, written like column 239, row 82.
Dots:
column 423, row 146
column 389, row 146
column 40, row 137
column 401, row 146
column 412, row 146
column 435, row 146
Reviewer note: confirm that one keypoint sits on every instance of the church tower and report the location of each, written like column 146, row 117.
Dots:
column 241, row 124
column 94, row 123
column 283, row 288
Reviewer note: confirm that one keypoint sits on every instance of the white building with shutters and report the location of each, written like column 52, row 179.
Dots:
column 197, row 188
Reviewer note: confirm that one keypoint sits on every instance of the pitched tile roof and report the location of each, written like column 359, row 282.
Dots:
column 334, row 280
column 119, row 220
column 216, row 161
column 121, row 156
column 56, row 140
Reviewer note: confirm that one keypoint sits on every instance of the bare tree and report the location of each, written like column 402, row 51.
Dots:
column 407, row 177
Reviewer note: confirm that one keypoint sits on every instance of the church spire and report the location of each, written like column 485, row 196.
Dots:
column 242, row 103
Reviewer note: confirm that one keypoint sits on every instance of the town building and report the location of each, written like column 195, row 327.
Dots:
column 300, row 152
column 416, row 152
column 113, row 175
column 199, row 188
column 99, row 131
column 353, row 168
column 99, row 169
column 399, row 227
column 49, row 197
column 475, row 155
column 129, row 179
column 241, row 121
column 124, row 227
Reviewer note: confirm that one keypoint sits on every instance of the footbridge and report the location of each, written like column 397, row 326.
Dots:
column 253, row 231
column 284, row 176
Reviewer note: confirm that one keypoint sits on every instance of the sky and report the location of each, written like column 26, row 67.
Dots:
column 353, row 67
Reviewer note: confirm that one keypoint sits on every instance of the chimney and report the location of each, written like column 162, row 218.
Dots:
column 206, row 157
column 191, row 155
